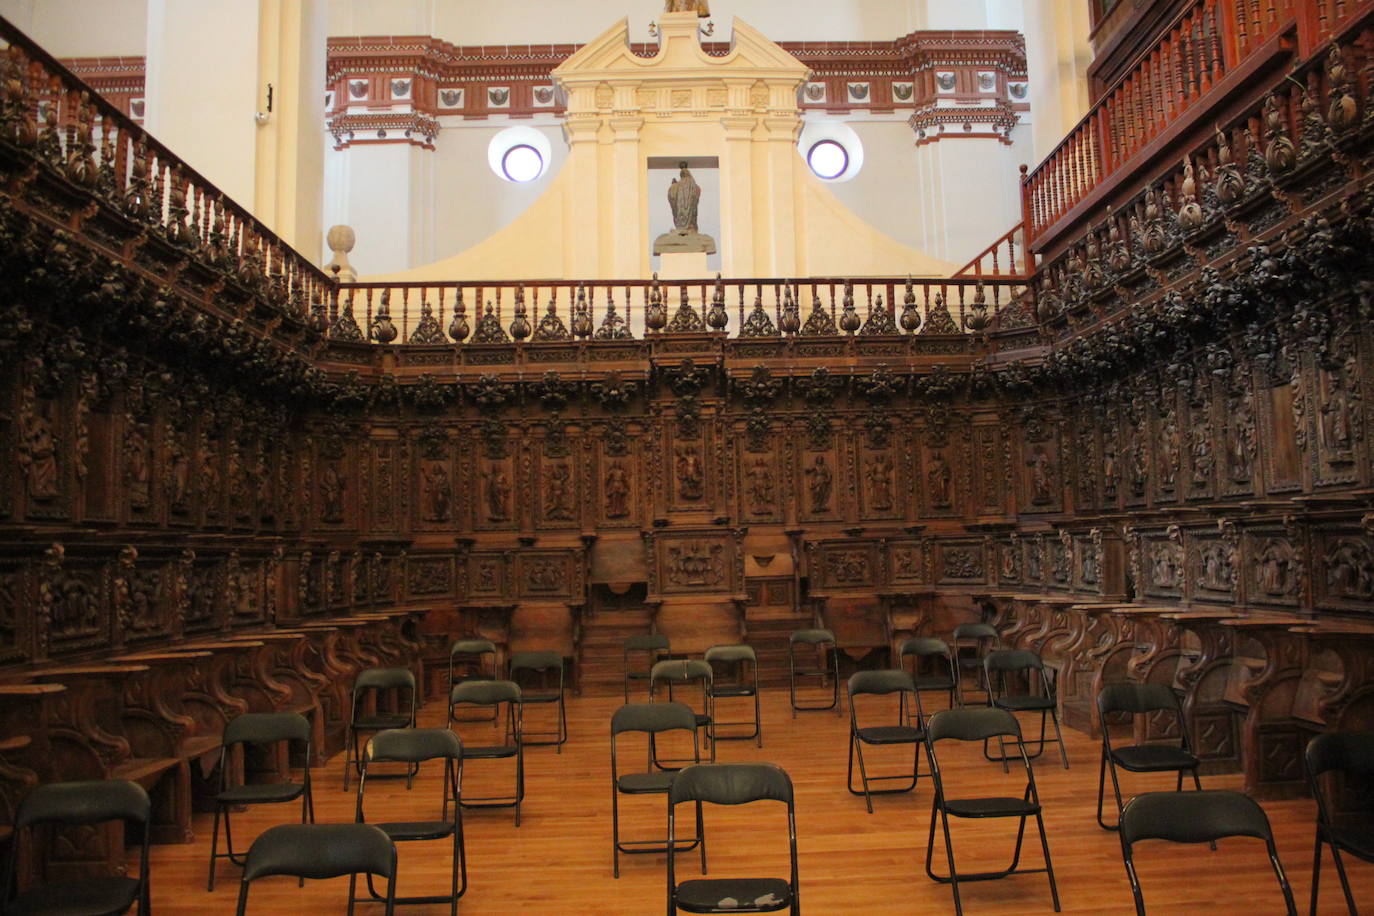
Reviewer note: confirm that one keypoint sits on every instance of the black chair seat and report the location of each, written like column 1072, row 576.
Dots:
column 933, row 682
column 490, row 752
column 1024, row 703
column 703, row 720
column 741, row 691
column 733, row 895
column 382, row 721
column 87, row 897
column 528, row 697
column 889, row 734
column 402, row 831
column 1359, row 840
column 260, row 793
column 1146, row 758
column 991, row 807
column 645, row 783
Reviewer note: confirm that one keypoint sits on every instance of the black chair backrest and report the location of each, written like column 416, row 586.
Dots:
column 1136, row 698
column 472, row 647
column 1350, row 752
column 1013, row 660
column 484, row 693
column 384, row 679
column 975, row 631
column 653, row 717
column 88, row 802
column 1192, row 817
column 879, row 682
column 415, row 745
column 646, row 642
column 680, row 669
column 813, row 637
column 319, row 851
column 973, row 724
column 267, row 728
column 728, row 654
column 923, row 645
column 536, row 660
column 730, row 784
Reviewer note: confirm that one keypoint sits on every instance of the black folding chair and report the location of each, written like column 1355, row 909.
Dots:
column 414, row 746
column 1197, row 817
column 982, row 725
column 1003, row 662
column 1349, row 755
column 258, row 729
column 80, row 804
column 883, row 683
column 534, row 671
column 682, row 672
column 945, row 678
column 654, row 645
column 1141, row 699
column 468, row 661
column 370, row 687
column 979, row 639
column 818, row 641
column 653, row 720
column 732, row 784
column 503, row 698
column 741, row 683
column 319, row 851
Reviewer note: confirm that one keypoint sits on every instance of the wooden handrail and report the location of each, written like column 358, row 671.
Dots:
column 1006, row 257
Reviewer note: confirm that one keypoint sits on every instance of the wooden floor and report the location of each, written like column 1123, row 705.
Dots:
column 559, row 860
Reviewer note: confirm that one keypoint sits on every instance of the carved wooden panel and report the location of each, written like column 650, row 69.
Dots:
column 690, row 472
column 960, row 562
column 760, row 494
column 428, row 576
column 1041, row 471
column 496, row 499
column 702, row 561
column 845, row 565
column 1163, row 567
column 1274, row 568
column 1344, row 570
column 819, row 478
column 486, row 575
column 939, row 483
column 987, row 443
column 556, row 497
column 617, row 484
column 908, row 562
column 549, row 574
column 881, row 484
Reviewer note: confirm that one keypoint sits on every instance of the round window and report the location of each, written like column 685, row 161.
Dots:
column 522, row 163
column 828, row 159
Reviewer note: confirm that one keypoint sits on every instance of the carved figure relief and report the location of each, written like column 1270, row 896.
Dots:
column 908, row 564
column 819, row 481
column 963, row 563
column 138, row 463
column 880, row 482
column 558, row 493
column 1041, row 476
column 1169, row 449
column 436, row 496
column 1166, row 565
column 691, row 477
column 1110, row 469
column 1214, row 573
column 38, row 449
column 496, row 494
column 1276, row 570
column 1240, row 436
column 332, row 485
column 847, row 567
column 1200, row 455
column 938, row 479
column 545, row 575
column 1011, row 561
column 1339, row 424
column 178, row 471
column 760, row 486
column 1350, row 570
column 617, row 491
column 696, row 563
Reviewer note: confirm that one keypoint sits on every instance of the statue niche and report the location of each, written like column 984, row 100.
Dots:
column 938, row 479
column 437, row 492
column 558, row 493
column 820, row 481
column 496, row 494
column 691, row 477
column 880, row 482
column 760, row 489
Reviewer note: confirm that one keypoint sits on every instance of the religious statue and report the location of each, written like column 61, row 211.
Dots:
column 39, row 456
column 331, row 493
column 558, row 503
column 617, row 489
column 438, row 492
column 690, row 477
column 821, row 480
column 139, row 467
column 684, row 197
column 1041, row 471
column 761, row 486
column 701, row 7
column 880, row 481
column 938, row 478
column 498, row 495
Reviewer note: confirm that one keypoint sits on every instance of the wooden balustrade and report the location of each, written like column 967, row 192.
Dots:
column 489, row 312
column 1006, row 257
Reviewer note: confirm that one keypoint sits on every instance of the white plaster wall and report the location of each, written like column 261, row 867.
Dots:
column 202, row 92
column 82, row 28
column 970, row 194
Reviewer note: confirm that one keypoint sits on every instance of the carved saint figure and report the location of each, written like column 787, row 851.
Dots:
column 1109, row 469
column 760, row 486
column 1337, row 414
column 880, row 482
column 691, row 479
column 438, row 492
column 498, row 495
column 1201, row 452
column 179, row 477
column 1350, row 570
column 820, row 481
column 684, row 194
column 1168, row 454
column 701, row 7
column 1241, row 442
column 331, row 493
column 40, row 456
column 1042, row 470
column 938, row 478
column 139, row 468
column 209, row 481
column 617, row 489
column 1274, row 564
column 558, row 498
column 1140, row 469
